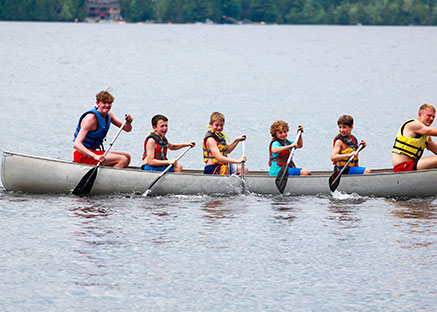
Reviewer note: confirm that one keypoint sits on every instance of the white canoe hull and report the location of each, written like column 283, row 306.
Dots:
column 30, row 174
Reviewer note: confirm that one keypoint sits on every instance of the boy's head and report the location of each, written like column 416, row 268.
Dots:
column 346, row 120
column 104, row 97
column 160, row 125
column 277, row 126
column 425, row 107
column 217, row 122
column 216, row 116
column 345, row 125
column 427, row 114
column 157, row 118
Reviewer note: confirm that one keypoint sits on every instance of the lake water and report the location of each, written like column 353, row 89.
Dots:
column 202, row 253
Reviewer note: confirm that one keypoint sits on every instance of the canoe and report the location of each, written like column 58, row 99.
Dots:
column 31, row 174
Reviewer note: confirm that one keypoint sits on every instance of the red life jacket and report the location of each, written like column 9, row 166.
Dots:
column 282, row 158
column 160, row 149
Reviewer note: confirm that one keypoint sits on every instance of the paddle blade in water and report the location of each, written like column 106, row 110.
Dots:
column 147, row 192
column 86, row 184
column 281, row 179
column 334, row 181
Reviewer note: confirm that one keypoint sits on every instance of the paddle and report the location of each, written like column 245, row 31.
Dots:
column 243, row 182
column 334, row 179
column 147, row 191
column 282, row 177
column 86, row 184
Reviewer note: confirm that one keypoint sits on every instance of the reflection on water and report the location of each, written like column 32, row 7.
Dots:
column 228, row 208
column 414, row 208
column 345, row 211
column 284, row 208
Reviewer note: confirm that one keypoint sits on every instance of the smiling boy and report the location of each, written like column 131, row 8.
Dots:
column 279, row 149
column 216, row 149
column 156, row 146
column 91, row 130
column 412, row 139
column 345, row 146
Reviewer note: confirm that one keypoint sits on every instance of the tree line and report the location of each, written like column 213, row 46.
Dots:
column 342, row 12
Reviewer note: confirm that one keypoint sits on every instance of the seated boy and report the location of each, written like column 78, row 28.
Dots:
column 155, row 150
column 280, row 149
column 345, row 146
column 216, row 149
column 91, row 130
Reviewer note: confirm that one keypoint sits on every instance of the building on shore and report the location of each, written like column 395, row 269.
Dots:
column 104, row 9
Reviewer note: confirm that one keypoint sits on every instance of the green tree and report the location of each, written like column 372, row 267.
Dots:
column 263, row 11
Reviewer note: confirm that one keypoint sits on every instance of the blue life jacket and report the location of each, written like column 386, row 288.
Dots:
column 94, row 139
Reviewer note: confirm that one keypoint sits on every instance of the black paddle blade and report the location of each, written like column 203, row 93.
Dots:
column 333, row 182
column 86, row 184
column 281, row 179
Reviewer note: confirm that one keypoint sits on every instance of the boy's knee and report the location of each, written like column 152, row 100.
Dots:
column 177, row 167
column 305, row 172
column 367, row 171
column 125, row 159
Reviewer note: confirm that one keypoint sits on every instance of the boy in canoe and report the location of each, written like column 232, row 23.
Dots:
column 156, row 146
column 280, row 148
column 412, row 139
column 216, row 149
column 345, row 146
column 91, row 130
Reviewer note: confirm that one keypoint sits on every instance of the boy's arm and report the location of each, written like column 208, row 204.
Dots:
column 117, row 122
column 335, row 154
column 234, row 144
column 417, row 127
column 432, row 146
column 176, row 146
column 150, row 158
column 281, row 148
column 211, row 144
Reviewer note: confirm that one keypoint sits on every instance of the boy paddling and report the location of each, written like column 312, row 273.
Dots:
column 412, row 139
column 156, row 146
column 91, row 130
column 279, row 149
column 345, row 146
column 216, row 149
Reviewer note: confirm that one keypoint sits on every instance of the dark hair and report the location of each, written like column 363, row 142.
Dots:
column 157, row 118
column 345, row 120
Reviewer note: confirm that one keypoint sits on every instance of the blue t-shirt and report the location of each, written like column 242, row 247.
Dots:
column 274, row 168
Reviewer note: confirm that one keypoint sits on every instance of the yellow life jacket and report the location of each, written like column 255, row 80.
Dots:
column 221, row 144
column 412, row 147
column 352, row 145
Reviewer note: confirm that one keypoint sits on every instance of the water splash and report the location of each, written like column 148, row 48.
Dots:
column 344, row 196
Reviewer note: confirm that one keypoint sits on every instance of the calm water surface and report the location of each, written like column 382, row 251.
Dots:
column 201, row 253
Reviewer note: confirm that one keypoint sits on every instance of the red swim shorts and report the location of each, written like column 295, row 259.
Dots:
column 83, row 159
column 406, row 166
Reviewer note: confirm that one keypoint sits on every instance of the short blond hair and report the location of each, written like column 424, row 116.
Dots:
column 216, row 116
column 426, row 106
column 276, row 126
